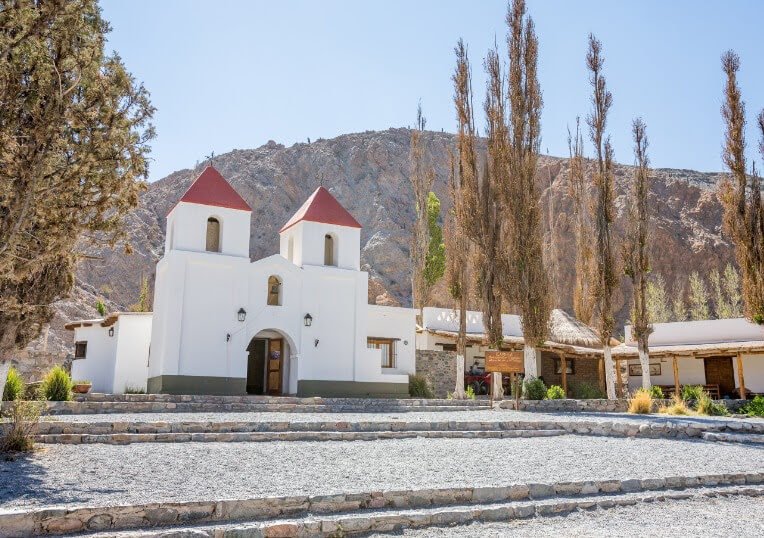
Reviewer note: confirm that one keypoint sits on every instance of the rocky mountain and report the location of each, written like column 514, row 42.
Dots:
column 368, row 174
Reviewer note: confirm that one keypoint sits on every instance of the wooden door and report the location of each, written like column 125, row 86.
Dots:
column 256, row 366
column 719, row 372
column 275, row 362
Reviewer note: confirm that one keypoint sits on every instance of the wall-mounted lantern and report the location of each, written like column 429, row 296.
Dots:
column 111, row 331
column 242, row 314
column 315, row 342
column 308, row 320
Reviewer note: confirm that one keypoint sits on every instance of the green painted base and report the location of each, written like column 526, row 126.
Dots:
column 192, row 384
column 351, row 389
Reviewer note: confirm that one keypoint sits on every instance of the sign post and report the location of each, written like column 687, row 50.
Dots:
column 503, row 362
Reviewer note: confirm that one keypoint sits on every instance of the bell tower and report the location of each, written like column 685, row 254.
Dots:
column 210, row 217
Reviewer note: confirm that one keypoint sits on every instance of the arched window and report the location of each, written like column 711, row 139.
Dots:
column 330, row 257
column 213, row 235
column 274, row 291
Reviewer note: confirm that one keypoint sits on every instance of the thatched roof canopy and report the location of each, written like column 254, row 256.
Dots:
column 565, row 329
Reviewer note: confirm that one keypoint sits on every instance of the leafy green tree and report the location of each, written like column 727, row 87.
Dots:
column 144, row 298
column 699, row 298
column 435, row 265
column 74, row 133
column 658, row 309
column 101, row 307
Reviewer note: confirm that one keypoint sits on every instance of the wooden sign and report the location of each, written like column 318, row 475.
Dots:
column 506, row 362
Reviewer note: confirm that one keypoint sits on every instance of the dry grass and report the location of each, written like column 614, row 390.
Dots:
column 641, row 402
column 19, row 431
column 678, row 407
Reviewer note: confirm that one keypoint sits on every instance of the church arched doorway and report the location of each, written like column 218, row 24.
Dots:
column 267, row 367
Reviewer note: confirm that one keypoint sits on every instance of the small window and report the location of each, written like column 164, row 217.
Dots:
column 274, row 291
column 80, row 350
column 329, row 257
column 447, row 347
column 570, row 367
column 387, row 345
column 213, row 235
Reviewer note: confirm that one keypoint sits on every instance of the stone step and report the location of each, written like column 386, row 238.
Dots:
column 396, row 521
column 66, row 520
column 727, row 437
column 127, row 407
column 218, row 437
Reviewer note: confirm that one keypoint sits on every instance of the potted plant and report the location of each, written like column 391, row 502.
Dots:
column 81, row 387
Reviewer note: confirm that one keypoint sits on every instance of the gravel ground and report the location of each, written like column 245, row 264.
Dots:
column 734, row 516
column 142, row 473
column 413, row 416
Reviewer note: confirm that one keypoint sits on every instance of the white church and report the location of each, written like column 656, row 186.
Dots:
column 296, row 322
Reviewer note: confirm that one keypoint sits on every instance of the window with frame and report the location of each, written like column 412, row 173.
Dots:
column 213, row 235
column 274, row 291
column 447, row 347
column 387, row 345
column 570, row 366
column 80, row 349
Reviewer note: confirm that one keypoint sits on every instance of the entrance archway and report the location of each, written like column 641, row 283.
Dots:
column 267, row 364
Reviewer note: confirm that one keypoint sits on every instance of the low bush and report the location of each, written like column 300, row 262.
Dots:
column 555, row 392
column 470, row 393
column 534, row 389
column 656, row 392
column 418, row 387
column 14, row 386
column 641, row 402
column 33, row 391
column 19, row 435
column 57, row 385
column 677, row 407
column 706, row 406
column 587, row 391
column 140, row 390
column 691, row 393
column 754, row 408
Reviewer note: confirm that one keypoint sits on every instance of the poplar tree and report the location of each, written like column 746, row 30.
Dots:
column 699, row 298
column 605, row 279
column 526, row 282
column 658, row 309
column 731, row 285
column 435, row 262
column 74, row 132
column 678, row 304
column 636, row 258
column 722, row 307
column 583, row 306
column 741, row 194
column 422, row 178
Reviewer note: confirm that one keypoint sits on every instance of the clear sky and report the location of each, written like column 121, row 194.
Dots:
column 228, row 74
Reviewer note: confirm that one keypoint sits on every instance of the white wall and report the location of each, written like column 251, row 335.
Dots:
column 187, row 229
column 701, row 332
column 399, row 324
column 133, row 336
column 753, row 372
column 308, row 239
column 98, row 364
column 447, row 319
column 691, row 372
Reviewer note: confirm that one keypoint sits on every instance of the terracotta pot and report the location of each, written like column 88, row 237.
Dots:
column 81, row 388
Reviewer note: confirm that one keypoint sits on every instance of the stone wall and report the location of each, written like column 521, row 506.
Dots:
column 438, row 368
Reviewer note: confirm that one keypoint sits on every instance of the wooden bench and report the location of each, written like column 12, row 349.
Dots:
column 712, row 390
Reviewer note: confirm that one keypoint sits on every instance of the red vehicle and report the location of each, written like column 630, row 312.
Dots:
column 481, row 383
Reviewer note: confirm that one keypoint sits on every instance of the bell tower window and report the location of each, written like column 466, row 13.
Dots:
column 274, row 291
column 213, row 235
column 330, row 248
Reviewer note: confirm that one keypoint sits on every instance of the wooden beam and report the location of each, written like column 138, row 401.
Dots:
column 740, row 377
column 676, row 376
column 564, row 373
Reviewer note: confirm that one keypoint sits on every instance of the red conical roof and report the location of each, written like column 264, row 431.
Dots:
column 322, row 207
column 210, row 188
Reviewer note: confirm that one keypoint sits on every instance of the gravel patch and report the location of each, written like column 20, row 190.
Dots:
column 487, row 415
column 142, row 473
column 732, row 516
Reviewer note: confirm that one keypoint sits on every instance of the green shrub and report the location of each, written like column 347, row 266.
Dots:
column 57, row 386
column 470, row 392
column 587, row 391
column 691, row 393
column 534, row 389
column 555, row 392
column 754, row 408
column 14, row 386
column 33, row 391
column 418, row 387
column 140, row 390
column 706, row 406
column 656, row 392
column 19, row 435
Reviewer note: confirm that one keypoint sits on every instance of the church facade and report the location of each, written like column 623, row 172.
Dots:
column 296, row 322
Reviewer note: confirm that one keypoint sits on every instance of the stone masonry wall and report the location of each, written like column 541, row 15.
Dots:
column 439, row 368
